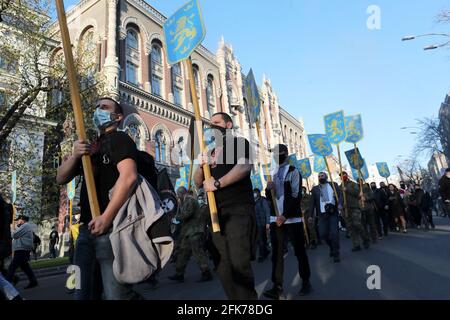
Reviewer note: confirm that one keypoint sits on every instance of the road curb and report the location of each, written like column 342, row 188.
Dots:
column 45, row 272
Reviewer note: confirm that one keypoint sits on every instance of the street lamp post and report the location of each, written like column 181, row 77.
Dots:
column 430, row 47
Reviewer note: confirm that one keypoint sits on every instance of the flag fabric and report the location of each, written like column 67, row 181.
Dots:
column 256, row 181
column 253, row 98
column 319, row 164
column 354, row 158
column 383, row 169
column 293, row 160
column 305, row 168
column 364, row 172
column 14, row 186
column 71, row 186
column 335, row 127
column 183, row 32
column 354, row 129
column 320, row 145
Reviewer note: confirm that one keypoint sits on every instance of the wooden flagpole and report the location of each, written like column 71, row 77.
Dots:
column 360, row 180
column 76, row 104
column 266, row 167
column 332, row 182
column 206, row 169
column 343, row 182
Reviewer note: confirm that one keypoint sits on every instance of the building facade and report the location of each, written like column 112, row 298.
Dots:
column 444, row 119
column 126, row 37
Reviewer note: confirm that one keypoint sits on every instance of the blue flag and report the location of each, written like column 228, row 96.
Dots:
column 305, row 167
column 256, row 181
column 253, row 99
column 383, row 169
column 355, row 159
column 319, row 164
column 364, row 171
column 14, row 186
column 335, row 127
column 293, row 160
column 320, row 145
column 71, row 186
column 183, row 32
column 354, row 129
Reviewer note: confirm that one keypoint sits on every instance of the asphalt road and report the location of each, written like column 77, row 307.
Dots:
column 413, row 266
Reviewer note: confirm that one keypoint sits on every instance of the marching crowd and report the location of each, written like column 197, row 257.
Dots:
column 252, row 226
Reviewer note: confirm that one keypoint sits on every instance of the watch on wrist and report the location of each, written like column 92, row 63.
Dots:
column 217, row 184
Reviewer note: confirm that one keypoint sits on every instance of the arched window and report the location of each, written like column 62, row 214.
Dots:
column 88, row 53
column 210, row 96
column 160, row 146
column 3, row 100
column 197, row 79
column 157, row 69
column 177, row 84
column 132, row 56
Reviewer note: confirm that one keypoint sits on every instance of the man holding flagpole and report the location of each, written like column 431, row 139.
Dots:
column 231, row 166
column 287, row 183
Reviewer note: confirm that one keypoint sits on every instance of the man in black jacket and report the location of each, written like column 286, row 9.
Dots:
column 286, row 187
column 325, row 207
column 382, row 206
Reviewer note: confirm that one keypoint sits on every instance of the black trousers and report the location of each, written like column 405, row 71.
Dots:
column 294, row 233
column 21, row 258
column 236, row 243
column 382, row 221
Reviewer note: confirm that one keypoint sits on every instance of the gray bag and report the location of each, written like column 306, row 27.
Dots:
column 136, row 256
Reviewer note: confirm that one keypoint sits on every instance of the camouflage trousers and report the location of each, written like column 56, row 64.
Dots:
column 355, row 227
column 192, row 245
column 311, row 228
column 369, row 223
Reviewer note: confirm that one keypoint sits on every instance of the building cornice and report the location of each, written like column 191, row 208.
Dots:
column 155, row 105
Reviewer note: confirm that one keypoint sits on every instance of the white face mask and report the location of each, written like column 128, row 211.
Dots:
column 255, row 195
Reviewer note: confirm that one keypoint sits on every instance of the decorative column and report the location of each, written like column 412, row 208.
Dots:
column 112, row 62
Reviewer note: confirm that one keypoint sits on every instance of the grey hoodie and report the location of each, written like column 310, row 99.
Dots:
column 23, row 238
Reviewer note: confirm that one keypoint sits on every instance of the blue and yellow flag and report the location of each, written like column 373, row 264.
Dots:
column 293, row 160
column 253, row 99
column 71, row 186
column 304, row 165
column 383, row 169
column 320, row 145
column 183, row 32
column 364, row 171
column 319, row 164
column 355, row 159
column 256, row 181
column 335, row 127
column 13, row 186
column 354, row 129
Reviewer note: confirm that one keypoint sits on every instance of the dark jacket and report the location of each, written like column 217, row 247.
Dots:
column 262, row 209
column 444, row 188
column 396, row 204
column 292, row 204
column 314, row 209
column 381, row 198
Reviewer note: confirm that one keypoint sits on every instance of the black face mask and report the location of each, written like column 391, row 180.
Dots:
column 282, row 158
column 222, row 130
column 323, row 181
column 373, row 188
column 403, row 186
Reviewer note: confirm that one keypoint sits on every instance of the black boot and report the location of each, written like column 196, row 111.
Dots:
column 306, row 289
column 206, row 276
column 274, row 293
column 177, row 278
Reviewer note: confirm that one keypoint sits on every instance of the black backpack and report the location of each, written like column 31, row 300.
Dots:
column 146, row 167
